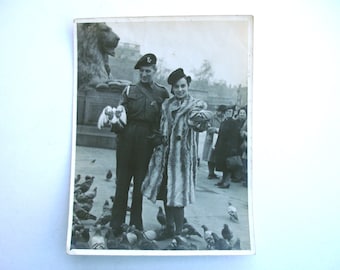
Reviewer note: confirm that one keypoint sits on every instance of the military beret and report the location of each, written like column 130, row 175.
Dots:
column 146, row 60
column 176, row 75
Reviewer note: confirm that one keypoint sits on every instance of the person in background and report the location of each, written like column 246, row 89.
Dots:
column 244, row 151
column 173, row 166
column 210, row 140
column 241, row 118
column 227, row 145
column 142, row 103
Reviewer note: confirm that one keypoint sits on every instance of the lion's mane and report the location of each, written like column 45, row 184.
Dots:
column 96, row 41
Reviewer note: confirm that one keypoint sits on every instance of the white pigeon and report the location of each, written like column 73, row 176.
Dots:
column 207, row 235
column 232, row 212
column 119, row 116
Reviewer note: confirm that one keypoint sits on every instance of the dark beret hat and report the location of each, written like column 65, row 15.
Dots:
column 146, row 60
column 176, row 75
column 244, row 108
column 221, row 108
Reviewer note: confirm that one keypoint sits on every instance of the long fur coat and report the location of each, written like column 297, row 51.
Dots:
column 178, row 154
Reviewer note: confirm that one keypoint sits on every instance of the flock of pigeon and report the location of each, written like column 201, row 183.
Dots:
column 92, row 232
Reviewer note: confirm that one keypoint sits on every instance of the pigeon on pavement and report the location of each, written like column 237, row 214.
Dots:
column 85, row 197
column 232, row 212
column 81, row 213
column 161, row 217
column 188, row 230
column 220, row 243
column 97, row 241
column 85, row 186
column 226, row 233
column 183, row 244
column 108, row 175
column 144, row 243
column 207, row 234
column 77, row 178
column 86, row 206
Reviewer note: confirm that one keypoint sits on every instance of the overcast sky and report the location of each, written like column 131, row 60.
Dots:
column 187, row 43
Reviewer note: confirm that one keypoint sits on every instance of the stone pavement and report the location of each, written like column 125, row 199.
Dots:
column 210, row 207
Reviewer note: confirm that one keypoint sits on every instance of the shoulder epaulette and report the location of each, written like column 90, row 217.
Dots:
column 160, row 85
column 127, row 88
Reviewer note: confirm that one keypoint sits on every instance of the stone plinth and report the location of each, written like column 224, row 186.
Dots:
column 93, row 137
column 90, row 104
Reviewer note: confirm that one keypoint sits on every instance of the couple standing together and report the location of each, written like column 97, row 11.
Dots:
column 158, row 147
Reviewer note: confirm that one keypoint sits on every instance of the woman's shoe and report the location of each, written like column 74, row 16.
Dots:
column 213, row 176
column 225, row 185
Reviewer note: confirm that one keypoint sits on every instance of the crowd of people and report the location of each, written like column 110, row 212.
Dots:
column 158, row 148
column 226, row 140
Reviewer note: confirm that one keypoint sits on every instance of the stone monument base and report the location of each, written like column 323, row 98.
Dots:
column 91, row 136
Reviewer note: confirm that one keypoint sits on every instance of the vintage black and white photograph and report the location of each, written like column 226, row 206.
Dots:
column 161, row 149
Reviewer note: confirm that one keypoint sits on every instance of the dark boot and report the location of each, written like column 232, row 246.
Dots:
column 226, row 180
column 211, row 168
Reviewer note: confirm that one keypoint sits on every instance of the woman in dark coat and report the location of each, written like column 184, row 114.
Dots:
column 173, row 166
column 227, row 145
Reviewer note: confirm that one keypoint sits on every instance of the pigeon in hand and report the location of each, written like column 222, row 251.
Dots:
column 117, row 115
column 232, row 212
column 208, row 237
column 188, row 230
column 161, row 217
column 108, row 175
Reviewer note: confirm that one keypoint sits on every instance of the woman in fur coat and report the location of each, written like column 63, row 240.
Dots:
column 172, row 169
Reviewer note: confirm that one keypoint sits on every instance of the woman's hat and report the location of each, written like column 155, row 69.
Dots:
column 244, row 108
column 177, row 75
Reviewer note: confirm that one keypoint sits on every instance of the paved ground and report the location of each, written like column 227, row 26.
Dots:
column 210, row 207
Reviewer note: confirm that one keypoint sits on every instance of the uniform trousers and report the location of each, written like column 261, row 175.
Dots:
column 133, row 155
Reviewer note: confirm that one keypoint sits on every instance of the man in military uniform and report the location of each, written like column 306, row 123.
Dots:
column 142, row 103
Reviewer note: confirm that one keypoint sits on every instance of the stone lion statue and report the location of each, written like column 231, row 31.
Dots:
column 96, row 42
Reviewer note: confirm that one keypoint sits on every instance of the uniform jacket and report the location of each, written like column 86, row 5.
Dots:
column 140, row 107
column 178, row 154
